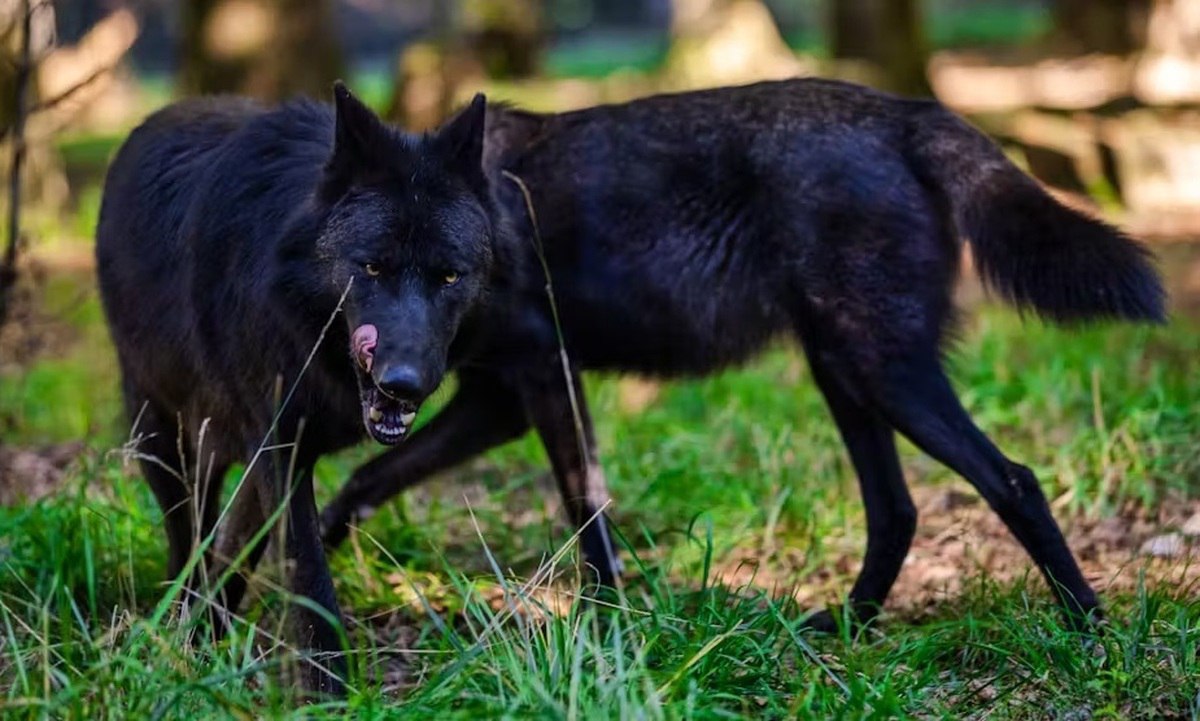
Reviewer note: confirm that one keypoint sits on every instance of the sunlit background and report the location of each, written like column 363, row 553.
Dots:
column 1095, row 98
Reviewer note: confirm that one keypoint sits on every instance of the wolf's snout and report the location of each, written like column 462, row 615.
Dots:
column 402, row 382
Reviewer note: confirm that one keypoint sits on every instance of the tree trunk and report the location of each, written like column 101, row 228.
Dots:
column 468, row 43
column 855, row 29
column 1115, row 27
column 1168, row 71
column 695, row 17
column 507, row 36
column 272, row 49
column 726, row 42
column 202, row 69
column 307, row 56
column 888, row 35
column 23, row 69
column 1173, row 27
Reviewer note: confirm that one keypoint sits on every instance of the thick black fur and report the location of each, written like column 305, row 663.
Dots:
column 682, row 234
column 1065, row 266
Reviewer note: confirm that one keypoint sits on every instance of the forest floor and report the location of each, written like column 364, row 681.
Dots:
column 738, row 512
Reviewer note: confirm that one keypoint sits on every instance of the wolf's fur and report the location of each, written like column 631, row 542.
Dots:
column 682, row 233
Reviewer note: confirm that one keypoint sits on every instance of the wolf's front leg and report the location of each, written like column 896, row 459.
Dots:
column 484, row 413
column 316, row 624
column 243, row 526
column 558, row 410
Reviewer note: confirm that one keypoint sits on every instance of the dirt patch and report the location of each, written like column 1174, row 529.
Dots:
column 27, row 474
column 394, row 638
column 1116, row 553
column 22, row 338
column 34, row 331
column 959, row 538
column 1180, row 265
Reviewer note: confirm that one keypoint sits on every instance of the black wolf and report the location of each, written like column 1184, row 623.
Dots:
column 229, row 237
column 681, row 233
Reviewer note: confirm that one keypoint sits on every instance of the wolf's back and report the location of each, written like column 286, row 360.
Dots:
column 1031, row 249
column 146, row 270
column 155, row 175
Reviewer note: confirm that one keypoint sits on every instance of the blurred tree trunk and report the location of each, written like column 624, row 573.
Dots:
column 22, row 69
column 693, row 17
column 507, row 36
column 1173, row 26
column 41, row 25
column 201, row 69
column 272, row 49
column 1115, row 27
column 10, row 29
column 700, row 18
column 854, row 30
column 471, row 40
column 423, row 83
column 726, row 42
column 307, row 56
column 1168, row 70
column 888, row 35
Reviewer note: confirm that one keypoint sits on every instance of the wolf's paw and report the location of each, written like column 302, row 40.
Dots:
column 1090, row 622
column 823, row 622
column 334, row 526
column 832, row 620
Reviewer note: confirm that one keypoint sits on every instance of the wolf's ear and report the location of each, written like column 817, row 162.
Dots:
column 356, row 126
column 356, row 132
column 460, row 139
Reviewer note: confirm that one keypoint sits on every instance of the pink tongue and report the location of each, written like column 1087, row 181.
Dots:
column 363, row 342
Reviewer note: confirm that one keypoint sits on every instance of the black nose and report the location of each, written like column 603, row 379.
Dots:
column 402, row 382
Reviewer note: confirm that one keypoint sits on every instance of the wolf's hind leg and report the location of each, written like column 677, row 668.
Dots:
column 891, row 516
column 239, row 527
column 572, row 453
column 158, row 452
column 918, row 400
column 210, row 482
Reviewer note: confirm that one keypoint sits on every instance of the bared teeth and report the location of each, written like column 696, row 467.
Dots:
column 375, row 414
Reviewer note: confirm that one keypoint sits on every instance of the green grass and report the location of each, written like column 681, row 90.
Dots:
column 744, row 463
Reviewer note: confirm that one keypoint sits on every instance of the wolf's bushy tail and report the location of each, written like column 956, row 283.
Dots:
column 1031, row 249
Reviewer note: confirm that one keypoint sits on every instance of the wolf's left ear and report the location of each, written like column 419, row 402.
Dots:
column 460, row 139
column 356, row 133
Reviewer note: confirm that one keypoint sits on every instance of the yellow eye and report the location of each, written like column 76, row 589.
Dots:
column 451, row 278
column 371, row 269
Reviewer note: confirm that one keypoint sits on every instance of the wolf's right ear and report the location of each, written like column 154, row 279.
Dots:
column 356, row 131
column 356, row 126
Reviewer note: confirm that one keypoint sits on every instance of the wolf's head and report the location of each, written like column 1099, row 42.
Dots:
column 407, row 220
